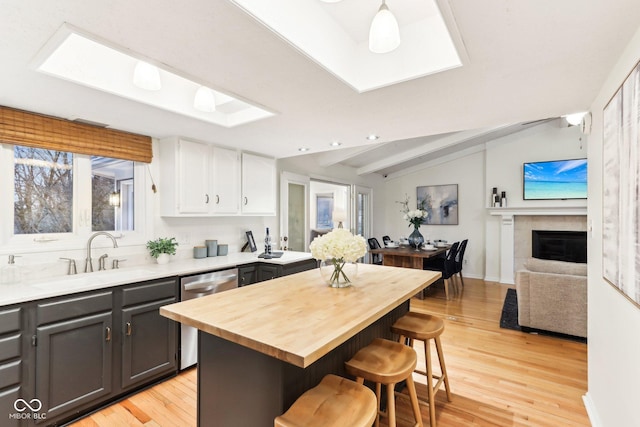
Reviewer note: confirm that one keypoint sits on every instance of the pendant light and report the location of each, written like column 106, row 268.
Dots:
column 384, row 34
column 204, row 100
column 146, row 76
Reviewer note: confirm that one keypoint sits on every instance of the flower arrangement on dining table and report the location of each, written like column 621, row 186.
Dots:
column 415, row 216
column 339, row 248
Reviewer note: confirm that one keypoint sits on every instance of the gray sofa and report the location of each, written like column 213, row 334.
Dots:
column 552, row 296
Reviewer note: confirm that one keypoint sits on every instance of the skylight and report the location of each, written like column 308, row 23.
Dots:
column 335, row 35
column 76, row 56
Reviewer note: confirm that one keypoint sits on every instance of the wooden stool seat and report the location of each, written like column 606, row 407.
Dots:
column 418, row 326
column 335, row 402
column 387, row 362
column 425, row 327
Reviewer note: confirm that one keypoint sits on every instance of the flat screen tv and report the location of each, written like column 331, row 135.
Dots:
column 556, row 179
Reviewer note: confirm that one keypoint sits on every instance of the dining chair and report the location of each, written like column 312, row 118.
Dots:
column 374, row 244
column 446, row 266
column 460, row 260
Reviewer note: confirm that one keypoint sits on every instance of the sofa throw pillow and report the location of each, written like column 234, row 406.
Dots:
column 558, row 267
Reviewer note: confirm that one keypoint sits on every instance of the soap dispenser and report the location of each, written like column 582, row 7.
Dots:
column 9, row 273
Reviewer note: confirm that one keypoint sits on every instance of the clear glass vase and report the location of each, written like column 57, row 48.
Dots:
column 338, row 273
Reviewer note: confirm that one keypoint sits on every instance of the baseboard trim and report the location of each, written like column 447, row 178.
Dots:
column 592, row 413
column 492, row 279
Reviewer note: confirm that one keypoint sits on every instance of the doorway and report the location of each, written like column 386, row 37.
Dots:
column 312, row 207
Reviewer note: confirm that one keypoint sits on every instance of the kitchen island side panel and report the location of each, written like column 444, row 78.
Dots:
column 238, row 386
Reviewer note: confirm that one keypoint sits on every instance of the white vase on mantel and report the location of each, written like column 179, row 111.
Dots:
column 163, row 259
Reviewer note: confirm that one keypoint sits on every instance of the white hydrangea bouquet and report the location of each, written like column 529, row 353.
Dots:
column 338, row 252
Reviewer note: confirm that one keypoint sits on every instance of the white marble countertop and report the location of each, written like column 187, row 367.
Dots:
column 66, row 285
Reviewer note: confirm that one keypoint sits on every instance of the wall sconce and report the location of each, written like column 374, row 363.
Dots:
column 114, row 199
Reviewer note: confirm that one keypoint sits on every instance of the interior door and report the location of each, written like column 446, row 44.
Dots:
column 363, row 212
column 294, row 212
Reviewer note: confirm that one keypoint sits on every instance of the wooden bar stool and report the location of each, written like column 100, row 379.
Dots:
column 386, row 362
column 335, row 402
column 425, row 327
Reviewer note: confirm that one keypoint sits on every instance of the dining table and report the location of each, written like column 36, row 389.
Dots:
column 408, row 257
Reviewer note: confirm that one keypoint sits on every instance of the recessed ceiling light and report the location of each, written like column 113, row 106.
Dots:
column 336, row 144
column 303, row 149
column 372, row 137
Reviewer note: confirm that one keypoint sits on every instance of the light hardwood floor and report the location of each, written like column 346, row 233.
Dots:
column 498, row 377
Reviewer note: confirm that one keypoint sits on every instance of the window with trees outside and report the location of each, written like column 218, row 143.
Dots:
column 45, row 182
column 43, row 197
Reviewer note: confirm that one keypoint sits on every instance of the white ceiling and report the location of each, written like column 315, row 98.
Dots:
column 526, row 60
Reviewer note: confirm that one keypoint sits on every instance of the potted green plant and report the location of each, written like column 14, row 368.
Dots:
column 161, row 248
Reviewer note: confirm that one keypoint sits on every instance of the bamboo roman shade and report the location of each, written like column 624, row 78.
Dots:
column 39, row 131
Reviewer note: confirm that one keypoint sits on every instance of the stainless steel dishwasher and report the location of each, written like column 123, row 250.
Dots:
column 197, row 286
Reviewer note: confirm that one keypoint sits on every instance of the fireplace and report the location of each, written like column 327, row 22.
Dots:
column 568, row 246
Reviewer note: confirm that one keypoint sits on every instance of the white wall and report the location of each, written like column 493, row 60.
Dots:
column 499, row 166
column 468, row 173
column 614, row 321
column 553, row 140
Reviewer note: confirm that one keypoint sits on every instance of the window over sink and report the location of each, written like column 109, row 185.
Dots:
column 62, row 196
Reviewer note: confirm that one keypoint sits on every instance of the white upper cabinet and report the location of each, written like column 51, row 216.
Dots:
column 199, row 179
column 225, row 181
column 184, row 177
column 258, row 185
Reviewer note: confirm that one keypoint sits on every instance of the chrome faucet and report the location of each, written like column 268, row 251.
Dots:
column 88, row 265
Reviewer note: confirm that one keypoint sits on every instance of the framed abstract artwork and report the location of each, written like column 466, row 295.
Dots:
column 440, row 202
column 621, row 189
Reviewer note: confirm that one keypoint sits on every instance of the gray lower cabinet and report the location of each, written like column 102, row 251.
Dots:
column 298, row 267
column 149, row 343
column 74, row 351
column 268, row 272
column 259, row 272
column 97, row 346
column 12, row 382
column 247, row 274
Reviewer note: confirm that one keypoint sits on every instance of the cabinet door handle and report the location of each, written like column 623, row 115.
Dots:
column 108, row 334
column 217, row 199
column 207, row 198
column 246, row 200
column 128, row 331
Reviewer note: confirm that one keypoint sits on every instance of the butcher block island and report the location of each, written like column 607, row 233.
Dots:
column 262, row 346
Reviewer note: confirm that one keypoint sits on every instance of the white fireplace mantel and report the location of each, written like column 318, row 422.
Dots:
column 507, row 215
column 547, row 210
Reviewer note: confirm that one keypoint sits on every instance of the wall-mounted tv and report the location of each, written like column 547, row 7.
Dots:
column 557, row 179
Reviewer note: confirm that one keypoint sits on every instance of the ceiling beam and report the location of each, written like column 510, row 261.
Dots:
column 334, row 157
column 430, row 147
